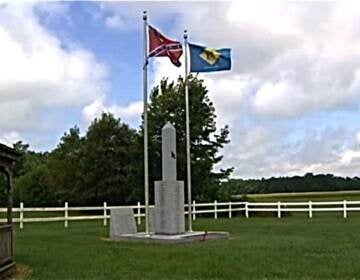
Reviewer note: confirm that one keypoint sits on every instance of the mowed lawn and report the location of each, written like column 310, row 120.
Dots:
column 325, row 247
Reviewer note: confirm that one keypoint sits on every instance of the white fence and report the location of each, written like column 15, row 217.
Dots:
column 197, row 208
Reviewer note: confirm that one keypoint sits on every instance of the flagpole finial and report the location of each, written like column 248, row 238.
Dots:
column 144, row 15
column 185, row 34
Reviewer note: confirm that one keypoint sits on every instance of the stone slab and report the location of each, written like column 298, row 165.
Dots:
column 188, row 237
column 169, row 207
column 122, row 221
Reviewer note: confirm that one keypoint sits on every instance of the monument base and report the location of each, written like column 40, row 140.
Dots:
column 187, row 237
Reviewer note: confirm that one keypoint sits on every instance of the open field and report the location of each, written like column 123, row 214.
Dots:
column 305, row 196
column 290, row 248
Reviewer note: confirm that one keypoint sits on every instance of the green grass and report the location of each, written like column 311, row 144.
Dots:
column 259, row 248
column 305, row 196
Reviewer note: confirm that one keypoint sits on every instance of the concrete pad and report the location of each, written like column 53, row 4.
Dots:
column 188, row 237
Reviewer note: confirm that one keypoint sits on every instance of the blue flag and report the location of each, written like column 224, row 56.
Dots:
column 203, row 59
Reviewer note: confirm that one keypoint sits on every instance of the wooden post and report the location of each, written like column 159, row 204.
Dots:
column 230, row 214
column 138, row 213
column 246, row 209
column 215, row 209
column 9, row 209
column 9, row 196
column 105, row 214
column 279, row 210
column 8, row 158
column 194, row 211
column 21, row 215
column 310, row 209
column 66, row 215
column 345, row 210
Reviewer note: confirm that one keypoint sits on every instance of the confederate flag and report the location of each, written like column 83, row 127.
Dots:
column 159, row 45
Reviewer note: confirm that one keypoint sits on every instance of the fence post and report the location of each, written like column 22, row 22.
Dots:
column 105, row 214
column 310, row 209
column 230, row 214
column 215, row 209
column 279, row 209
column 21, row 215
column 345, row 210
column 138, row 213
column 246, row 210
column 66, row 215
column 194, row 211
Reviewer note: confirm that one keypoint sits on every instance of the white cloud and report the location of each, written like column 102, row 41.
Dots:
column 162, row 67
column 279, row 99
column 37, row 72
column 129, row 114
column 230, row 95
column 263, row 152
column 291, row 60
column 115, row 21
column 10, row 138
column 304, row 56
column 358, row 137
column 54, row 11
column 349, row 156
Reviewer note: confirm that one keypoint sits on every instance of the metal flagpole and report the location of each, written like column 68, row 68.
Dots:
column 146, row 167
column 188, row 160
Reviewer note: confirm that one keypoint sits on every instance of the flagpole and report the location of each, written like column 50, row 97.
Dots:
column 188, row 160
column 146, row 162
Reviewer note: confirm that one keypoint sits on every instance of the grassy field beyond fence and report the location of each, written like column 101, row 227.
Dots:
column 294, row 248
column 304, row 196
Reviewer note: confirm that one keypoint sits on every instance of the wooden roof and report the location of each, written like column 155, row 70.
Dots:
column 7, row 156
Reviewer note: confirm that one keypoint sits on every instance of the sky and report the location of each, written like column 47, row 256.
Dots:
column 291, row 100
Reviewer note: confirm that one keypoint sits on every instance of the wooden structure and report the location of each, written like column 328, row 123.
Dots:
column 8, row 157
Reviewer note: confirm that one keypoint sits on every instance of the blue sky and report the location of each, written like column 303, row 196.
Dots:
column 120, row 50
column 291, row 99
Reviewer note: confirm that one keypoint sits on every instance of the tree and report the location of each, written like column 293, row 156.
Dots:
column 31, row 177
column 167, row 103
column 23, row 150
column 63, row 167
column 32, row 188
column 106, row 162
column 307, row 183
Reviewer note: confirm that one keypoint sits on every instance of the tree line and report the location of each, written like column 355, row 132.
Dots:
column 307, row 183
column 106, row 162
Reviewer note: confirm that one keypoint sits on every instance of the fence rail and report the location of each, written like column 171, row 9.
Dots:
column 214, row 208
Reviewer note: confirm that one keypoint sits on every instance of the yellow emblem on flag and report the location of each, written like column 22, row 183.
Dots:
column 211, row 56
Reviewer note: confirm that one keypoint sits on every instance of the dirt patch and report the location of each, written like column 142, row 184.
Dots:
column 22, row 271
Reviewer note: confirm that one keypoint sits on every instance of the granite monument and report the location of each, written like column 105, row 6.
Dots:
column 169, row 193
